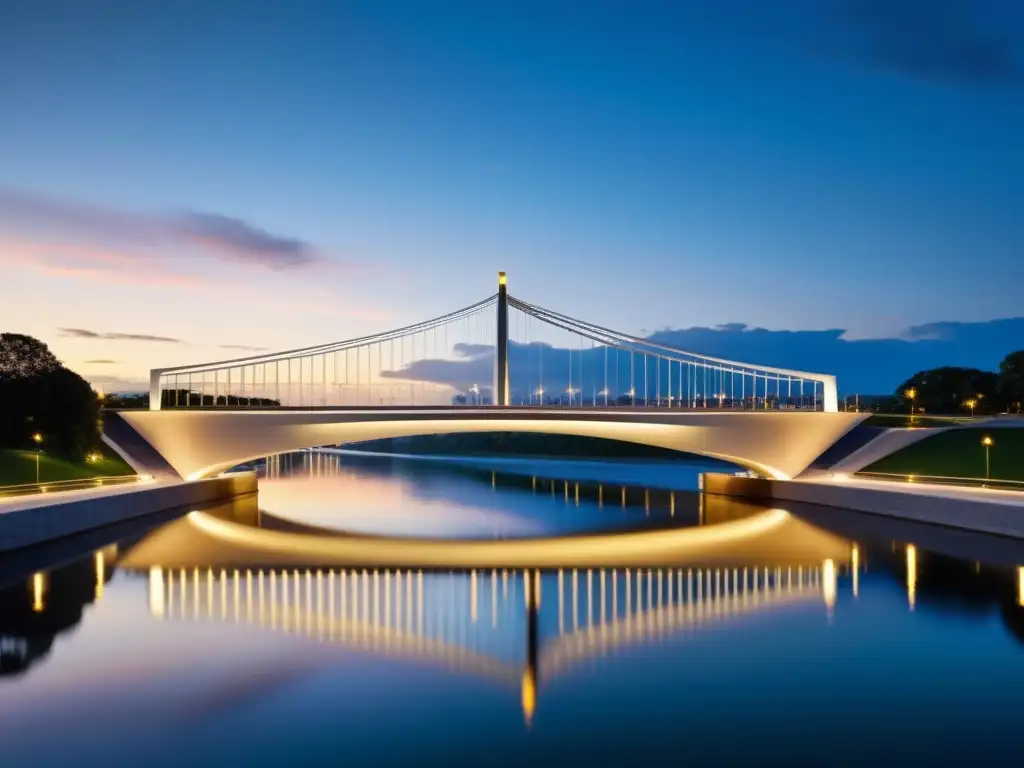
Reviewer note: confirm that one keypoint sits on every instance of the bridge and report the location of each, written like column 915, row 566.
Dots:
column 548, row 373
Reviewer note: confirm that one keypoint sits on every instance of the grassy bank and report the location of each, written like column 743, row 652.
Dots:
column 20, row 467
column 959, row 453
column 904, row 421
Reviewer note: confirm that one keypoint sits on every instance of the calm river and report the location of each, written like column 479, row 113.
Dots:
column 240, row 636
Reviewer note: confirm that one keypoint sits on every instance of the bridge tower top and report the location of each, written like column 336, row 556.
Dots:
column 501, row 387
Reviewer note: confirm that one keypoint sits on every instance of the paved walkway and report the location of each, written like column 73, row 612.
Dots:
column 16, row 503
column 938, row 490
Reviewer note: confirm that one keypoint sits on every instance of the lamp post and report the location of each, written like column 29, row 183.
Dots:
column 970, row 404
column 37, row 438
column 910, row 394
column 988, row 443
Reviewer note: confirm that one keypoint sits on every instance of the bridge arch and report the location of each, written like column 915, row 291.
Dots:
column 193, row 444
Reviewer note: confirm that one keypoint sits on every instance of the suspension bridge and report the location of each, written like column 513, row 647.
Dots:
column 500, row 364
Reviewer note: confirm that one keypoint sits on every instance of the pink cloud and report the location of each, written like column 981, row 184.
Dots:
column 220, row 237
column 102, row 265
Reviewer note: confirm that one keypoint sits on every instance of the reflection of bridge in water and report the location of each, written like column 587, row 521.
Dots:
column 520, row 628
column 485, row 623
column 519, row 619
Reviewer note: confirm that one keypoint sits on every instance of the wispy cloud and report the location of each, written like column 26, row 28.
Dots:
column 942, row 40
column 91, row 263
column 84, row 333
column 101, row 362
column 239, row 241
column 133, row 236
column 242, row 347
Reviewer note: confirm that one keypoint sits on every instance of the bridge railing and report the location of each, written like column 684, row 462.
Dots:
column 368, row 371
column 440, row 362
column 687, row 379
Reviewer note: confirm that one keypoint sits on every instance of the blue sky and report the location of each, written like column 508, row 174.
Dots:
column 282, row 173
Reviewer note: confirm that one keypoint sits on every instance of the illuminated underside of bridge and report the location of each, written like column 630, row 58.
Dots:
column 423, row 379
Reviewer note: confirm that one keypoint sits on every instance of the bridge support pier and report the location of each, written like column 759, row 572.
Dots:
column 501, row 393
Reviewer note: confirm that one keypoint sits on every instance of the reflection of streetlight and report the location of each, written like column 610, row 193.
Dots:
column 911, row 575
column 970, row 404
column 38, row 439
column 93, row 457
column 987, row 442
column 911, row 394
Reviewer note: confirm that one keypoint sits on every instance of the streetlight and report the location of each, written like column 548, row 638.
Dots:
column 911, row 394
column 632, row 396
column 605, row 393
column 475, row 391
column 970, row 404
column 37, row 438
column 988, row 443
column 540, row 395
column 570, row 391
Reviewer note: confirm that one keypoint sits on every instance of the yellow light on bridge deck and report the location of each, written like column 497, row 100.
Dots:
column 37, row 437
column 987, row 441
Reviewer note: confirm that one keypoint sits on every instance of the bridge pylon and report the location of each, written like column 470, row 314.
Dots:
column 501, row 393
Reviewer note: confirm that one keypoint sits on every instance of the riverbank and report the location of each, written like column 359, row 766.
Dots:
column 28, row 521
column 983, row 510
column 18, row 467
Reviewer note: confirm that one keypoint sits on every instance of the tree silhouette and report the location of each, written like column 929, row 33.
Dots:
column 38, row 394
column 22, row 356
column 1011, row 380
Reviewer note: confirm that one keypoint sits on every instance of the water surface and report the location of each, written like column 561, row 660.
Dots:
column 849, row 639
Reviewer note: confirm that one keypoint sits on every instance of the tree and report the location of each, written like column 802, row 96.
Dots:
column 1011, row 380
column 944, row 390
column 22, row 356
column 38, row 394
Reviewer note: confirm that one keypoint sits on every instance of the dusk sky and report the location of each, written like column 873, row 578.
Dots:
column 212, row 176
